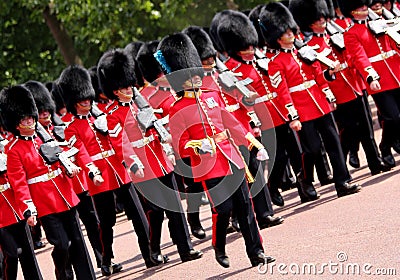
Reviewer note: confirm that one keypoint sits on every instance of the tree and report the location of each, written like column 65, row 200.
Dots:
column 62, row 32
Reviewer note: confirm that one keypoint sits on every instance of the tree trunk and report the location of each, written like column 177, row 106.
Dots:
column 231, row 5
column 63, row 40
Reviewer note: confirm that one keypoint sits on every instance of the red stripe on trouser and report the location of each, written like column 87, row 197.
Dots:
column 214, row 215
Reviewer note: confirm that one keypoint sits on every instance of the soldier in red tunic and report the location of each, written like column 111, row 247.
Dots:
column 302, row 89
column 233, row 101
column 377, row 59
column 139, row 147
column 39, row 183
column 85, row 207
column 352, row 115
column 201, row 127
column 14, row 232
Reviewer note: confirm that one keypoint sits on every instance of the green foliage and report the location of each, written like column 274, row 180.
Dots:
column 28, row 50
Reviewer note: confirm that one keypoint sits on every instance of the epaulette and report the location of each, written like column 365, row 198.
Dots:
column 113, row 110
column 176, row 101
column 348, row 28
column 12, row 143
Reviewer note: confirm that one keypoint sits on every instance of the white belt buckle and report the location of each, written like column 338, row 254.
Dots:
column 104, row 154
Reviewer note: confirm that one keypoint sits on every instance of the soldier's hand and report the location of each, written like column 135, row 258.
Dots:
column 262, row 154
column 375, row 85
column 98, row 180
column 257, row 132
column 295, row 125
column 139, row 173
column 171, row 159
column 32, row 221
column 336, row 67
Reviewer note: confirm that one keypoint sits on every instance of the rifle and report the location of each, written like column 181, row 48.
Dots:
column 100, row 124
column 380, row 26
column 147, row 119
column 309, row 55
column 229, row 81
column 335, row 32
column 261, row 60
column 51, row 152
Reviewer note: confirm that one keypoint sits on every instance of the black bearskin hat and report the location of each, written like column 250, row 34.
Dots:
column 214, row 29
column 347, row 6
column 275, row 20
column 177, row 52
column 116, row 70
column 95, row 81
column 16, row 103
column 43, row 99
column 132, row 49
column 236, row 33
column 75, row 85
column 254, row 15
column 201, row 41
column 306, row 12
column 148, row 64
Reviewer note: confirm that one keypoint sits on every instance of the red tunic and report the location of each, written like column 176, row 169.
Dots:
column 362, row 47
column 270, row 112
column 287, row 72
column 159, row 98
column 348, row 84
column 232, row 100
column 186, row 125
column 10, row 212
column 343, row 22
column 24, row 164
column 95, row 147
column 126, row 137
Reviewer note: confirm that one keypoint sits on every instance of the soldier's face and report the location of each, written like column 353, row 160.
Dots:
column 319, row 26
column 194, row 82
column 286, row 40
column 83, row 107
column 360, row 13
column 208, row 62
column 45, row 118
column 377, row 8
column 26, row 126
column 247, row 54
column 124, row 94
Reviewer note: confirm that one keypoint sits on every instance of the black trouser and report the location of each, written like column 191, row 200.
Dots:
column 310, row 135
column 105, row 208
column 16, row 243
column 87, row 214
column 355, row 125
column 36, row 232
column 230, row 192
column 134, row 211
column 388, row 104
column 159, row 195
column 194, row 191
column 258, row 190
column 64, row 233
column 281, row 143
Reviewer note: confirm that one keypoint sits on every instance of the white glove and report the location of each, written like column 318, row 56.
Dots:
column 206, row 147
column 262, row 154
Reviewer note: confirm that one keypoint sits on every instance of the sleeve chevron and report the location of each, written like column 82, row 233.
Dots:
column 115, row 131
column 275, row 79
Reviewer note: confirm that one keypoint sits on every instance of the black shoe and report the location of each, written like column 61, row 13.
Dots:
column 116, row 267
column 270, row 221
column 381, row 167
column 235, row 225
column 387, row 156
column 307, row 191
column 156, row 257
column 261, row 258
column 276, row 197
column 150, row 263
column 198, row 232
column 191, row 255
column 326, row 181
column 38, row 245
column 354, row 161
column 347, row 189
column 106, row 270
column 221, row 258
